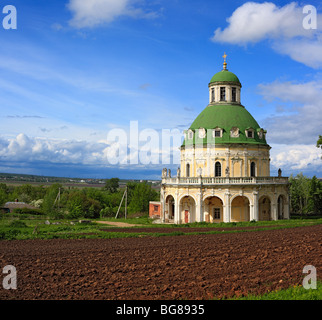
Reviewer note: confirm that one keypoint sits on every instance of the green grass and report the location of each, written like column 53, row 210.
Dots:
column 28, row 227
column 291, row 222
column 147, row 222
column 144, row 220
column 293, row 293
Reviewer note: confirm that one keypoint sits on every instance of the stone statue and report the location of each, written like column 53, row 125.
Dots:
column 178, row 173
column 227, row 171
column 279, row 172
column 169, row 173
column 164, row 172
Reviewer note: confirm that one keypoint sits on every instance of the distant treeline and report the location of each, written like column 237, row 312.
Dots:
column 59, row 201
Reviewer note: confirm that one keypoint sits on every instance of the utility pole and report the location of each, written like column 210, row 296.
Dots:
column 125, row 200
column 57, row 198
column 124, row 194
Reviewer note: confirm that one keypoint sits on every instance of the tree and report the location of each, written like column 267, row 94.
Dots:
column 79, row 204
column 3, row 193
column 142, row 194
column 112, row 184
column 3, row 197
column 306, row 195
column 299, row 191
column 94, row 209
column 315, row 198
column 76, row 204
column 49, row 206
column 319, row 143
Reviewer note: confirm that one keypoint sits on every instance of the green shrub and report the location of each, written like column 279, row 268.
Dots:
column 107, row 212
column 35, row 212
column 17, row 224
column 9, row 234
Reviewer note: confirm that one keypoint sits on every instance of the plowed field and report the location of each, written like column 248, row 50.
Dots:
column 169, row 267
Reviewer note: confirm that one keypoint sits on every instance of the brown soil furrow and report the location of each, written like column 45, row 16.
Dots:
column 182, row 267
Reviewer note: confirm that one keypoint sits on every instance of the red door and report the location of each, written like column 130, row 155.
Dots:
column 186, row 216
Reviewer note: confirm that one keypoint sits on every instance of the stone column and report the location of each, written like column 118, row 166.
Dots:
column 192, row 165
column 176, row 209
column 245, row 164
column 228, row 93
column 255, row 212
column 226, row 207
column 199, row 207
column 287, row 209
column 208, row 174
column 251, row 211
column 162, row 204
column 228, row 163
column 274, row 210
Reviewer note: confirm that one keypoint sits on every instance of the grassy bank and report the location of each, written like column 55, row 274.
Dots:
column 293, row 293
column 22, row 228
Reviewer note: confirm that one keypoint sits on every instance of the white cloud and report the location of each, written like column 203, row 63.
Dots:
column 253, row 22
column 299, row 121
column 27, row 149
column 297, row 157
column 91, row 13
column 305, row 92
column 115, row 150
column 283, row 26
column 308, row 52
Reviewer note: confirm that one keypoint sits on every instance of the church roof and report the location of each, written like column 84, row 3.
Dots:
column 226, row 118
column 225, row 122
column 225, row 76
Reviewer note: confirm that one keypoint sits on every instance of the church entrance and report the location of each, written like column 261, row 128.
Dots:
column 264, row 208
column 169, row 208
column 187, row 209
column 240, row 209
column 213, row 209
column 186, row 216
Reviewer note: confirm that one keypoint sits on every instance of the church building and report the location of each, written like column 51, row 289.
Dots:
column 224, row 174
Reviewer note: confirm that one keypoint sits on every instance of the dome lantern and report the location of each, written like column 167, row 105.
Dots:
column 224, row 87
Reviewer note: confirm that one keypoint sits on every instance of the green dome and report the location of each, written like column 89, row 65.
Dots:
column 226, row 117
column 224, row 76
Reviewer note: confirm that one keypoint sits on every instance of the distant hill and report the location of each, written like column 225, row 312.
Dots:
column 17, row 178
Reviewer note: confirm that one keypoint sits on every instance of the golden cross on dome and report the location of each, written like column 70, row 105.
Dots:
column 225, row 63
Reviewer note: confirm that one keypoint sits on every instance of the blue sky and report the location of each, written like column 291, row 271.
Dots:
column 75, row 70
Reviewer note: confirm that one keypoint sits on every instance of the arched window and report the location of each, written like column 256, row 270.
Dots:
column 222, row 94
column 253, row 169
column 218, row 169
column 190, row 134
column 188, row 170
column 233, row 94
